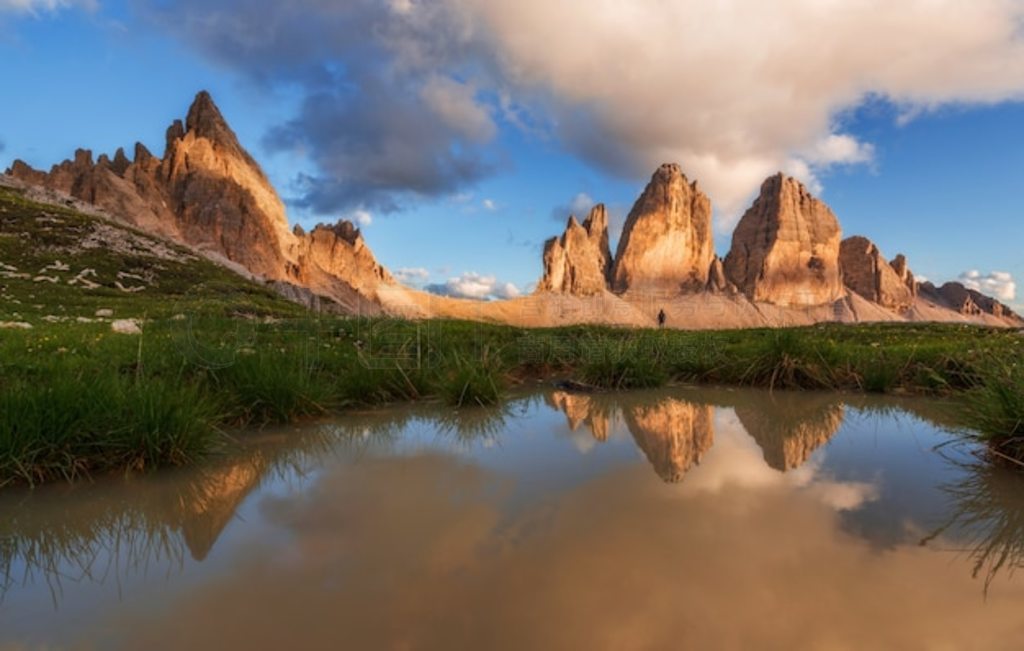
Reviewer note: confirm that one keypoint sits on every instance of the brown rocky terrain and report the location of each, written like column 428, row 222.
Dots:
column 786, row 266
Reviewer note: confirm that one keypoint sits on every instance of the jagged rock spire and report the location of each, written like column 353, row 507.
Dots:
column 579, row 262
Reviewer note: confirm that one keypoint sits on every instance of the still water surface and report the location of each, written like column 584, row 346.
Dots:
column 674, row 519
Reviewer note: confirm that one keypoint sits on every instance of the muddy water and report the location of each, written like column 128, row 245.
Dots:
column 665, row 520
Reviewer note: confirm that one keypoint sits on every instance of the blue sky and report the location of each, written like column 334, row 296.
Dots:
column 494, row 144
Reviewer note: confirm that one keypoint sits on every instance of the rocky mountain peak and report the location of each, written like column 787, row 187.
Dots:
column 343, row 230
column 785, row 249
column 579, row 261
column 666, row 243
column 204, row 120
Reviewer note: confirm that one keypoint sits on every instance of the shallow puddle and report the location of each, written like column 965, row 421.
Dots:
column 682, row 518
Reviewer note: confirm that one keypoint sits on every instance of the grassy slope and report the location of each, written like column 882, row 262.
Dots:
column 218, row 352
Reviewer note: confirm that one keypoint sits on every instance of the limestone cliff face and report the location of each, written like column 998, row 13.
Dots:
column 785, row 249
column 866, row 272
column 673, row 435
column 579, row 262
column 666, row 243
column 209, row 193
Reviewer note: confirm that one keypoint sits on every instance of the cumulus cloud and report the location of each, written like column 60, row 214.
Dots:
column 36, row 7
column 733, row 91
column 385, row 117
column 998, row 284
column 412, row 275
column 489, row 205
column 580, row 206
column 737, row 90
column 361, row 217
column 475, row 286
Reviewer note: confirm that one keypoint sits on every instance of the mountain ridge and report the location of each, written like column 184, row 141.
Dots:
column 788, row 263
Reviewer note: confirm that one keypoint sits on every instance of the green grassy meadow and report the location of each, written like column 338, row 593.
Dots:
column 218, row 354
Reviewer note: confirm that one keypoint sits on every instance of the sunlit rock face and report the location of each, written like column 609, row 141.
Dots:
column 866, row 272
column 207, row 192
column 579, row 262
column 785, row 249
column 673, row 434
column 789, row 427
column 666, row 244
column 220, row 197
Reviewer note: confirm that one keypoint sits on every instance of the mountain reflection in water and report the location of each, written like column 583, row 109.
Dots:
column 785, row 520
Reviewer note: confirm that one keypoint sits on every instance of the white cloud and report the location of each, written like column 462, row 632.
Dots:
column 476, row 286
column 998, row 284
column 580, row 206
column 35, row 7
column 735, row 91
column 490, row 205
column 412, row 275
column 361, row 217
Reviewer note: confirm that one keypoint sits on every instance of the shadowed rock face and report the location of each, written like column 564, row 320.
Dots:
column 899, row 265
column 666, row 244
column 789, row 427
column 785, row 249
column 209, row 193
column 866, row 272
column 673, row 434
column 965, row 301
column 579, row 262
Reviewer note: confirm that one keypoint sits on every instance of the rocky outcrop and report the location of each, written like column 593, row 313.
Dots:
column 673, row 435
column 899, row 265
column 666, row 244
column 579, row 262
column 966, row 302
column 785, row 249
column 207, row 192
column 866, row 272
column 718, row 283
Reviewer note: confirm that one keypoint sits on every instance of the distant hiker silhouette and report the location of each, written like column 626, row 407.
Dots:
column 661, row 318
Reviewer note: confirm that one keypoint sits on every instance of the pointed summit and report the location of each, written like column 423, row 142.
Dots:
column 204, row 120
column 666, row 244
